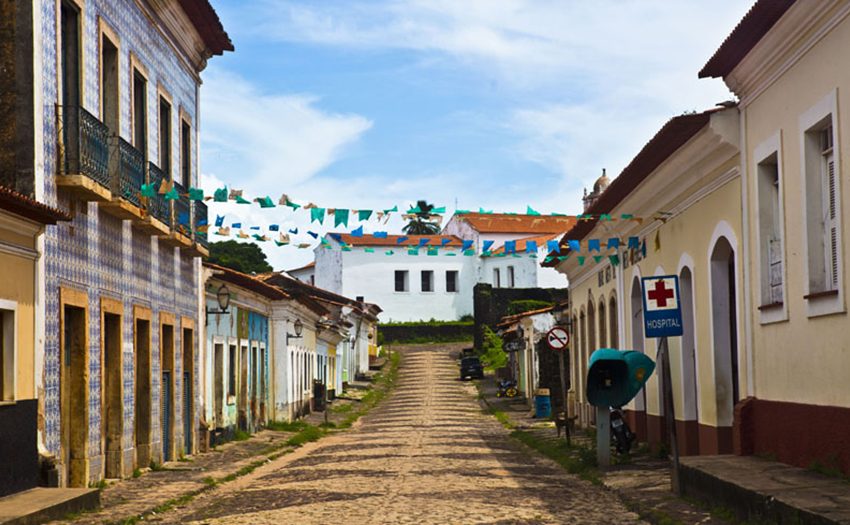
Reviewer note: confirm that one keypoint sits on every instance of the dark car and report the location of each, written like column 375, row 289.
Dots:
column 471, row 367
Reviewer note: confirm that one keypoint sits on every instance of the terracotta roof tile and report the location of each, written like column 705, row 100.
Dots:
column 521, row 243
column 756, row 23
column 20, row 204
column 673, row 135
column 392, row 240
column 506, row 223
column 510, row 319
column 249, row 282
column 311, row 264
column 208, row 24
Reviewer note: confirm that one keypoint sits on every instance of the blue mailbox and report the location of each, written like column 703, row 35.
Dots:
column 614, row 377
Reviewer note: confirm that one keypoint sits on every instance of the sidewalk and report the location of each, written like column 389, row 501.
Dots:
column 717, row 489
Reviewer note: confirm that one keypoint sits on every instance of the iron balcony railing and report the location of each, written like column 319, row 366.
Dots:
column 182, row 211
column 83, row 144
column 158, row 207
column 128, row 172
column 199, row 212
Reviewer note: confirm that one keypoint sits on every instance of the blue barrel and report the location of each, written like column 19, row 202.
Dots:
column 542, row 403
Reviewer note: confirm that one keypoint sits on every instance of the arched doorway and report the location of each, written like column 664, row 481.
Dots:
column 689, row 431
column 612, row 315
column 590, row 412
column 603, row 327
column 582, row 367
column 724, row 324
column 636, row 300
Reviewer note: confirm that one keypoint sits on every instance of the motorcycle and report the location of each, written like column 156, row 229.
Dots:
column 507, row 388
column 622, row 436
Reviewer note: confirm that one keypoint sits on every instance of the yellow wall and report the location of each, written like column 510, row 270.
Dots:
column 686, row 237
column 803, row 359
column 18, row 284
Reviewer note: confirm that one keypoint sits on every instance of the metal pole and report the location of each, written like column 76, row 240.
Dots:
column 564, row 392
column 670, row 416
column 603, row 436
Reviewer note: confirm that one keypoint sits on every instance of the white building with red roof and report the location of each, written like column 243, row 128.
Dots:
column 422, row 277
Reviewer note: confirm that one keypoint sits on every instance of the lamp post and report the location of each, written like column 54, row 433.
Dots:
column 298, row 326
column 223, row 298
column 565, row 382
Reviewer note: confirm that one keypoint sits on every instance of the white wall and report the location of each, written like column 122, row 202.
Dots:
column 372, row 276
column 329, row 268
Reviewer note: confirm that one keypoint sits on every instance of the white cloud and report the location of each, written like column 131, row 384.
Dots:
column 269, row 140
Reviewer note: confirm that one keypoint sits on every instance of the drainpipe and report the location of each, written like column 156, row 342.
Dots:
column 745, row 257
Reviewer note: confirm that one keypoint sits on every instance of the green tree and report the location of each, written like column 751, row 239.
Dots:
column 420, row 223
column 240, row 256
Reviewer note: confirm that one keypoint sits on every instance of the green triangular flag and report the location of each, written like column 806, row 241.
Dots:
column 433, row 250
column 292, row 204
column 148, row 190
column 317, row 214
column 196, row 194
column 415, row 209
column 461, row 212
column 581, row 259
column 615, row 260
column 394, row 208
column 241, row 200
column 531, row 211
column 598, row 258
column 469, row 253
column 389, row 252
column 627, row 216
column 548, row 259
column 220, row 195
column 451, row 254
column 172, row 195
column 482, row 210
column 441, row 209
column 266, row 202
column 413, row 251
column 340, row 217
column 346, row 248
column 280, row 243
column 563, row 257
column 605, row 217
column 364, row 215
column 369, row 250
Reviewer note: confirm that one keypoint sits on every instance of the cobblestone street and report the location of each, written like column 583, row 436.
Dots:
column 426, row 455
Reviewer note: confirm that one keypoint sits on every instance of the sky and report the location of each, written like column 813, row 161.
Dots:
column 495, row 104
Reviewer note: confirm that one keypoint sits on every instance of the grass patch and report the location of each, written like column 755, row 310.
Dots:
column 502, row 418
column 240, row 435
column 310, row 433
column 137, row 472
column 287, row 426
column 575, row 458
column 342, row 409
column 155, row 467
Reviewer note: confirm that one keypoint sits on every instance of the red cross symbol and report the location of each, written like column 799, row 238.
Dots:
column 660, row 294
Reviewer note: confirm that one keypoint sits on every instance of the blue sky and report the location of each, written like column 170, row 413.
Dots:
column 488, row 103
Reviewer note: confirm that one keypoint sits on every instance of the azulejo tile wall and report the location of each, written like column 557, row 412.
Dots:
column 103, row 256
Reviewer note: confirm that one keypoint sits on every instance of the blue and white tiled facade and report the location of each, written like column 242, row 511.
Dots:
column 105, row 257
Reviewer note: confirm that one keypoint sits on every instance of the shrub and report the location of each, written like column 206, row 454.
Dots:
column 526, row 305
column 492, row 354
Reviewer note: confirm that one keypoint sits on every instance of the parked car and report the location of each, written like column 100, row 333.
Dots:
column 471, row 367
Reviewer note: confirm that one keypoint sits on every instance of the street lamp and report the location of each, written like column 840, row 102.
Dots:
column 223, row 298
column 299, row 327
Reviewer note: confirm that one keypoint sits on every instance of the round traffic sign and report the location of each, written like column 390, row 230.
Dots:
column 557, row 338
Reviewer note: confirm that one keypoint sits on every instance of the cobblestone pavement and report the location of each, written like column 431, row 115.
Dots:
column 427, row 454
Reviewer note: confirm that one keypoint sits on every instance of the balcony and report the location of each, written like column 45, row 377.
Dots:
column 181, row 226
column 83, row 167
column 127, row 174
column 199, row 219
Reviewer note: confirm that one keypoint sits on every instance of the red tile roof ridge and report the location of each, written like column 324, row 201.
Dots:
column 517, row 223
column 19, row 204
column 521, row 244
column 392, row 240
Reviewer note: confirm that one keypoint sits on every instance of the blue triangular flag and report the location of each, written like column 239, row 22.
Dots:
column 530, row 246
column 335, row 236
column 380, row 235
column 357, row 232
column 313, row 235
column 294, row 231
column 634, row 243
column 574, row 245
column 401, row 239
column 423, row 242
column 593, row 245
column 254, row 228
column 466, row 245
column 274, row 227
column 553, row 246
column 445, row 241
column 486, row 246
column 219, row 221
column 510, row 247
column 614, row 242
column 237, row 225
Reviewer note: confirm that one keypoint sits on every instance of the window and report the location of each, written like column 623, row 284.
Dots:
column 359, row 298
column 823, row 229
column 231, row 371
column 427, row 281
column 511, row 281
column 165, row 136
column 185, row 153
column 109, row 84
column 770, row 231
column 140, row 112
column 451, row 281
column 401, row 281
column 70, row 54
column 497, row 281
column 7, row 351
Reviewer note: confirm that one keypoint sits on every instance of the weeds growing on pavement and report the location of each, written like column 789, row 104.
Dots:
column 287, row 426
column 240, row 435
column 137, row 472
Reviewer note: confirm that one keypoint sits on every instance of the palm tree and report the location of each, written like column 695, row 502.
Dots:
column 420, row 224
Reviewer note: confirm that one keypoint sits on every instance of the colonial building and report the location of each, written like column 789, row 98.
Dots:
column 114, row 102
column 22, row 221
column 684, row 190
column 784, row 63
column 238, row 345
